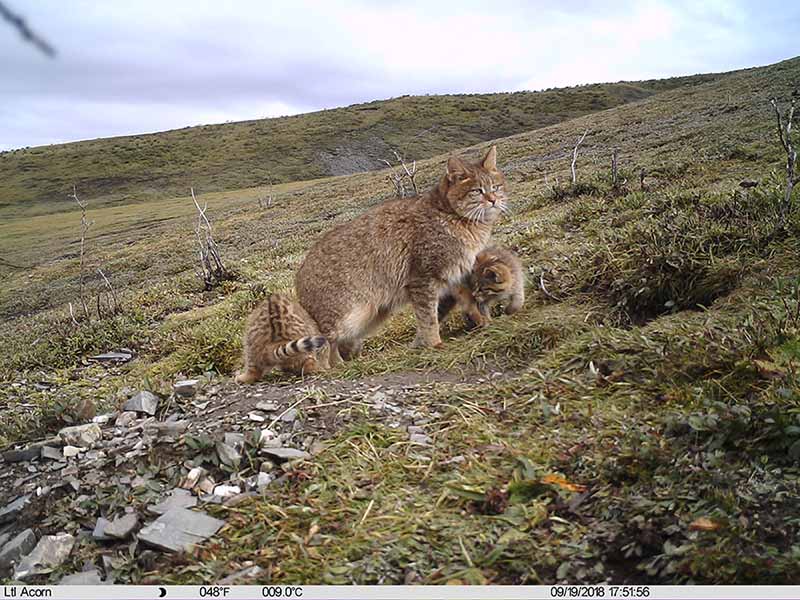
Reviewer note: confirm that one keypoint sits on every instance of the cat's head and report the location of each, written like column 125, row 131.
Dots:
column 491, row 280
column 476, row 192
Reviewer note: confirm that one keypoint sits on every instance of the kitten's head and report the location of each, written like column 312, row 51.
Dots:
column 491, row 280
column 476, row 192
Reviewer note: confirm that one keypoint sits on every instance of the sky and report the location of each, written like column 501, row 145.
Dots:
column 142, row 66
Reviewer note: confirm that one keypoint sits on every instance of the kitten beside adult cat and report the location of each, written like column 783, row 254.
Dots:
column 402, row 251
column 497, row 277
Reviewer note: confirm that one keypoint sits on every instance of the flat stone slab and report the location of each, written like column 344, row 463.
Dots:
column 285, row 453
column 22, row 455
column 83, row 436
column 112, row 357
column 186, row 388
column 228, row 455
column 178, row 498
column 99, row 532
column 143, row 402
column 51, row 453
column 19, row 546
column 84, row 578
column 122, row 527
column 179, row 530
column 10, row 511
column 49, row 553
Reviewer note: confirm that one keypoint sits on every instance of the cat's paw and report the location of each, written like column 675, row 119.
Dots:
column 426, row 343
column 246, row 377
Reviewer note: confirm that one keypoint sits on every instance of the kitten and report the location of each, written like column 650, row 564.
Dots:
column 403, row 251
column 497, row 277
column 279, row 333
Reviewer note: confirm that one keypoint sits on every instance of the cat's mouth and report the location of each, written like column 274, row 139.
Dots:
column 485, row 213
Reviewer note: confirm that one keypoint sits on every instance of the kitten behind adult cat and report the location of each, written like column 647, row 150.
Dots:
column 280, row 333
column 497, row 277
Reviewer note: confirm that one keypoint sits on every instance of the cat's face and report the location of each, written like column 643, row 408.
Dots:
column 477, row 192
column 492, row 281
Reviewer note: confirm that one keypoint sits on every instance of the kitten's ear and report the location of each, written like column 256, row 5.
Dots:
column 490, row 160
column 492, row 275
column 455, row 169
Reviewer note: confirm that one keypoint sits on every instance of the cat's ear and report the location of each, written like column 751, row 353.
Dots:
column 492, row 275
column 490, row 160
column 455, row 169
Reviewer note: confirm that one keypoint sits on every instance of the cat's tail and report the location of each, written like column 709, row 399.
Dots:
column 302, row 345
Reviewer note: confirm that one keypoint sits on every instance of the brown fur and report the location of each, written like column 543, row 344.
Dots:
column 279, row 333
column 403, row 251
column 497, row 277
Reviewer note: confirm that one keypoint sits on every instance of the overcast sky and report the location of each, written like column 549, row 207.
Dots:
column 140, row 66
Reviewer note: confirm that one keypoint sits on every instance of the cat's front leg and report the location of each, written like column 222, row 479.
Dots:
column 424, row 299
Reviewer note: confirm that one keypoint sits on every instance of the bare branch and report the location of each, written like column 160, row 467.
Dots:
column 575, row 157
column 85, row 225
column 212, row 268
column 785, row 137
column 27, row 34
column 115, row 308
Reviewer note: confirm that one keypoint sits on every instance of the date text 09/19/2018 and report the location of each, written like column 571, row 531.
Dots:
column 600, row 591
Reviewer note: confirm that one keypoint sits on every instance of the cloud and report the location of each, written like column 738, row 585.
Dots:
column 135, row 67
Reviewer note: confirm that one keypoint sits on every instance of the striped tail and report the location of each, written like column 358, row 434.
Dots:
column 303, row 345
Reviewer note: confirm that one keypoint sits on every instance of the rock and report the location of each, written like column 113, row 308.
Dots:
column 257, row 417
column 286, row 453
column 267, row 406
column 20, row 545
column 186, row 388
column 10, row 511
column 224, row 491
column 228, row 455
column 234, row 440
column 241, row 576
column 178, row 498
column 99, row 532
column 51, row 453
column 239, row 499
column 84, row 436
column 49, row 553
column 412, row 429
column 119, row 357
column 122, row 527
column 264, row 479
column 179, row 529
column 289, row 416
column 82, row 578
column 124, row 419
column 192, row 478
column 206, row 485
column 143, row 402
column 28, row 453
column 168, row 428
column 748, row 183
column 70, row 451
column 103, row 419
column 420, row 438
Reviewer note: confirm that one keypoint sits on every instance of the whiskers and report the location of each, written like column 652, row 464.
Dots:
column 475, row 214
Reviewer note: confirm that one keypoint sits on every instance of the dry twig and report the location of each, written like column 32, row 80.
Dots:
column 212, row 269
column 575, row 157
column 785, row 136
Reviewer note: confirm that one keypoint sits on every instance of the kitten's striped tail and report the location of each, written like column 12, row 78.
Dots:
column 302, row 345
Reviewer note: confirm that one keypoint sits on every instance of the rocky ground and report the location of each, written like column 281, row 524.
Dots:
column 141, row 479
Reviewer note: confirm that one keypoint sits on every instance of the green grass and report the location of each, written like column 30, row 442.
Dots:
column 658, row 371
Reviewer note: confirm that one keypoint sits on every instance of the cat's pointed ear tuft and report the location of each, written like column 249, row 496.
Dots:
column 456, row 169
column 490, row 160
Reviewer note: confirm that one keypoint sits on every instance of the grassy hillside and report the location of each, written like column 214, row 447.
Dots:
column 331, row 142
column 637, row 422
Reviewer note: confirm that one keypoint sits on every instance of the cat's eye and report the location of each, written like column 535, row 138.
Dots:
column 496, row 187
column 476, row 191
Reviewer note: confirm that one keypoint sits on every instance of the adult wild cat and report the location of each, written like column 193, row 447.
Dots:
column 403, row 251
